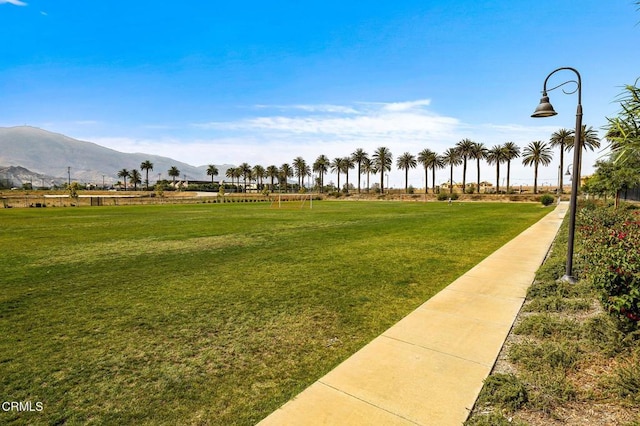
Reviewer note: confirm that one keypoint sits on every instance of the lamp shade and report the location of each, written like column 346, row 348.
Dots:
column 544, row 109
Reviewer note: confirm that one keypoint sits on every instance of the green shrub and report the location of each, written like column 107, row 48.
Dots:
column 558, row 304
column 626, row 382
column 551, row 387
column 547, row 199
column 611, row 251
column 548, row 288
column 545, row 325
column 601, row 332
column 536, row 357
column 445, row 196
column 505, row 391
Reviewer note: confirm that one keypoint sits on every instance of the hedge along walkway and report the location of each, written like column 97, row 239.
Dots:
column 428, row 369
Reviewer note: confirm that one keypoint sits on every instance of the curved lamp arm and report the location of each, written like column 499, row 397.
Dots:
column 579, row 83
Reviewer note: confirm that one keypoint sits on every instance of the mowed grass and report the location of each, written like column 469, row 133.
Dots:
column 215, row 313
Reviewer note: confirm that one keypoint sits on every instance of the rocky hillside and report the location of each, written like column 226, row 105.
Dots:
column 16, row 176
column 47, row 155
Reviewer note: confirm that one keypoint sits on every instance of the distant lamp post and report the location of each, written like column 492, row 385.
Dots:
column 568, row 172
column 545, row 109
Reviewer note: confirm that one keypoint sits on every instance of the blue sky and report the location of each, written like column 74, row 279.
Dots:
column 264, row 82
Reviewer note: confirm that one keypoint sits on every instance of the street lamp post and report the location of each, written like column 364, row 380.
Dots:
column 545, row 109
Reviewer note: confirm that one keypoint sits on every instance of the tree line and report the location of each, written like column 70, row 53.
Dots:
column 535, row 154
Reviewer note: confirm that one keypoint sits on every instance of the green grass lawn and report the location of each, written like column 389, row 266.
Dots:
column 215, row 313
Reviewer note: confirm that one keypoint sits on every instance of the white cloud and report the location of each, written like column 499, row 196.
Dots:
column 13, row 2
column 321, row 108
column 277, row 134
column 406, row 106
column 367, row 121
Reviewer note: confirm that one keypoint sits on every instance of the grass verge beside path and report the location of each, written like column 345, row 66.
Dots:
column 214, row 314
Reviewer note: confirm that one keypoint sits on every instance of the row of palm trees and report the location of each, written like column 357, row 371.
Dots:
column 534, row 154
column 299, row 168
column 135, row 178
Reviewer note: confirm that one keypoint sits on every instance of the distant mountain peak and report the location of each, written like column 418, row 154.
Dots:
column 46, row 153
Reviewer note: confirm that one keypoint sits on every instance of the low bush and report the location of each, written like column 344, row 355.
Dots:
column 611, row 251
column 602, row 333
column 504, row 391
column 626, row 381
column 547, row 199
column 551, row 388
column 545, row 325
column 558, row 304
column 536, row 357
column 444, row 196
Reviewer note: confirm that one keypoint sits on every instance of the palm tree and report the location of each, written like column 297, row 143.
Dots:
column 359, row 156
column 588, row 138
column 237, row 174
column 347, row 164
column 497, row 155
column 321, row 166
column 405, row 162
column 511, row 151
column 536, row 153
column 174, row 173
column 135, row 178
column 430, row 160
column 436, row 162
column 272, row 173
column 212, row 171
column 623, row 131
column 285, row 173
column 451, row 157
column 561, row 138
column 478, row 152
column 382, row 160
column 124, row 174
column 465, row 148
column 336, row 167
column 306, row 172
column 424, row 158
column 299, row 166
column 146, row 166
column 231, row 174
column 367, row 167
column 258, row 173
column 245, row 172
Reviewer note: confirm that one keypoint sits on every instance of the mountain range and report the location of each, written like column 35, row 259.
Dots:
column 29, row 154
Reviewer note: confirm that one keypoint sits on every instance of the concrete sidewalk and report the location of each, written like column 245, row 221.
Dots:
column 429, row 368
